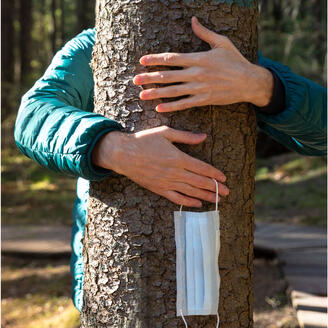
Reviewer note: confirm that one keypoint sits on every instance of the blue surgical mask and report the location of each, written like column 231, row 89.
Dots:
column 197, row 237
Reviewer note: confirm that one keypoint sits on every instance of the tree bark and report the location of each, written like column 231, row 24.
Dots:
column 129, row 247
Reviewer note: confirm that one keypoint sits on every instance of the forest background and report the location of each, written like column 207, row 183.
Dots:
column 289, row 188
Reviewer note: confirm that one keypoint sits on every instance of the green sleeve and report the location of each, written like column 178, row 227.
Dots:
column 55, row 125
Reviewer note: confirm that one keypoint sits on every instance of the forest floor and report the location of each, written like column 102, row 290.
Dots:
column 36, row 293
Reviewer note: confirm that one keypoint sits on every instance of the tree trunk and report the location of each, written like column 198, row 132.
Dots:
column 82, row 15
column 62, row 21
column 25, row 19
column 129, row 247
column 54, row 27
column 7, row 36
column 7, row 56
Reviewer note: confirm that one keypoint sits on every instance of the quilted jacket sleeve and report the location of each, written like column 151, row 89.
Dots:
column 55, row 125
column 302, row 125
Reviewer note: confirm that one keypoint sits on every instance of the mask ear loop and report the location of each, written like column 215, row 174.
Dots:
column 216, row 209
column 183, row 318
column 217, row 195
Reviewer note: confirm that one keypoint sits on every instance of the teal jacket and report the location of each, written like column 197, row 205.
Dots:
column 56, row 126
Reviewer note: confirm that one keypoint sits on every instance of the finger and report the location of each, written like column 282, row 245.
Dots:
column 171, row 91
column 213, row 39
column 203, row 182
column 179, row 199
column 189, row 102
column 174, row 76
column 197, row 166
column 185, row 137
column 189, row 190
column 170, row 59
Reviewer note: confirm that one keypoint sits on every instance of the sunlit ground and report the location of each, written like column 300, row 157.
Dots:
column 36, row 294
column 291, row 189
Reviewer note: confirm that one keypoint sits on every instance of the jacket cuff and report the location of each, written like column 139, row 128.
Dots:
column 90, row 171
column 97, row 172
column 294, row 93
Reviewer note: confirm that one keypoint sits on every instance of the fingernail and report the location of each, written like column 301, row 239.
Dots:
column 143, row 60
column 160, row 108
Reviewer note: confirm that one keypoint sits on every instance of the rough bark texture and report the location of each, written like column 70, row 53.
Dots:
column 129, row 248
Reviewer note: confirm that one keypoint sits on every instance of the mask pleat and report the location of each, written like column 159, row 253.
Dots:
column 198, row 263
column 190, row 273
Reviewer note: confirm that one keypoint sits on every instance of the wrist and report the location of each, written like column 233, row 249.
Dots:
column 261, row 83
column 106, row 151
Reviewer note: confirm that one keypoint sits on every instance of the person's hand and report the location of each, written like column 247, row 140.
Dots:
column 220, row 76
column 151, row 160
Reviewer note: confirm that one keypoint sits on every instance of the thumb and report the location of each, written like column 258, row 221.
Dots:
column 213, row 39
column 185, row 137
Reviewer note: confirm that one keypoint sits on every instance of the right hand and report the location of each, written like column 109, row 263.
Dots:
column 151, row 160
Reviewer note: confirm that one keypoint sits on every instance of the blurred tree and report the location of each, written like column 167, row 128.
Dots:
column 25, row 40
column 7, row 55
column 277, row 11
column 129, row 248
column 54, row 26
column 62, row 21
column 7, row 36
column 82, row 10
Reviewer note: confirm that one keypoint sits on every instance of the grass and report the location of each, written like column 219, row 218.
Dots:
column 292, row 189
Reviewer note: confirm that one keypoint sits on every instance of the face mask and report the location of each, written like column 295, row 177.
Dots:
column 197, row 238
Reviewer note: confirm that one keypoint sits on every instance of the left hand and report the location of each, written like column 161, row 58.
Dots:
column 220, row 76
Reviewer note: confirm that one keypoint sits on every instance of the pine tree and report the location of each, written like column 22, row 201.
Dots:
column 129, row 248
